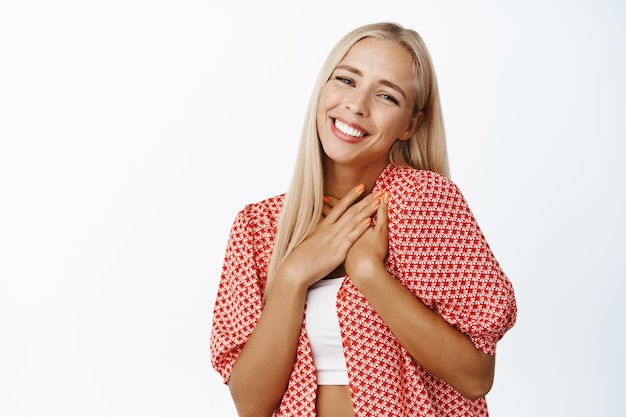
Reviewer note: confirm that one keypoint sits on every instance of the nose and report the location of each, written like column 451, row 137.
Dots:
column 357, row 103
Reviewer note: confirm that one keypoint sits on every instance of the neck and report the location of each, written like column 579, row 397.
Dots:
column 340, row 179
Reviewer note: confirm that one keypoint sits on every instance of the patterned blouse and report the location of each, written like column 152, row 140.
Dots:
column 436, row 250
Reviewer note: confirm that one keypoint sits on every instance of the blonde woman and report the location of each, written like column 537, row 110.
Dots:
column 367, row 289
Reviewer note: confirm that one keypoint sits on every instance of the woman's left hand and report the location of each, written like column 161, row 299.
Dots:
column 367, row 254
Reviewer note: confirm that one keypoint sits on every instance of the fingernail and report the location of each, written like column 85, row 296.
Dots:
column 376, row 203
column 386, row 197
column 325, row 199
column 367, row 221
column 360, row 188
column 378, row 193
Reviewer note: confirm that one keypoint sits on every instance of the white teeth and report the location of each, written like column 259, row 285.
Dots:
column 347, row 130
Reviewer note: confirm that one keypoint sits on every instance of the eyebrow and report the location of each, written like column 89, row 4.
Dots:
column 383, row 82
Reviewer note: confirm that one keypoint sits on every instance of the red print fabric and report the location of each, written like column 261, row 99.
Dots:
column 436, row 250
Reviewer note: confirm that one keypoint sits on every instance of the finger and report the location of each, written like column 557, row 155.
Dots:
column 364, row 208
column 382, row 216
column 361, row 220
column 357, row 213
column 345, row 203
column 358, row 230
column 329, row 203
column 330, row 200
column 326, row 209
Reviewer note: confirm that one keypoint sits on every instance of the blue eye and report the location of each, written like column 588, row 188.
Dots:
column 390, row 98
column 345, row 80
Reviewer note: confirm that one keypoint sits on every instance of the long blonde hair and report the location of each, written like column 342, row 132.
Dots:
column 425, row 150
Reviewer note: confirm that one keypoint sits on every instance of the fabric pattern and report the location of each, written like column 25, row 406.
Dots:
column 436, row 250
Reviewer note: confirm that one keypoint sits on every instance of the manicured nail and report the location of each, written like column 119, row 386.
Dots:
column 376, row 203
column 378, row 193
column 360, row 188
column 325, row 199
column 386, row 197
column 367, row 221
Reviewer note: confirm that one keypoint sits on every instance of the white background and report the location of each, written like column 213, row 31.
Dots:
column 131, row 133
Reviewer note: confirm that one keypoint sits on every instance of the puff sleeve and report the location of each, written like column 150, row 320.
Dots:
column 238, row 302
column 440, row 254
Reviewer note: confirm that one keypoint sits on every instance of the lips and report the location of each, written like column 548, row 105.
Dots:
column 349, row 132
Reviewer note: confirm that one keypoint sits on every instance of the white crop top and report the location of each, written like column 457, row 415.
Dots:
column 322, row 327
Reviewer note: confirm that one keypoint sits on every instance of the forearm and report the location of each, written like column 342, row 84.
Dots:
column 262, row 369
column 430, row 340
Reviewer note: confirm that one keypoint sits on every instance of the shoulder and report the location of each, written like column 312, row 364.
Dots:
column 261, row 216
column 253, row 231
column 409, row 183
column 267, row 208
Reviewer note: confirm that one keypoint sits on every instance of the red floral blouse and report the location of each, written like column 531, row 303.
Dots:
column 436, row 250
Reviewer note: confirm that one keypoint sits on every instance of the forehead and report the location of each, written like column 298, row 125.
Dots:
column 381, row 58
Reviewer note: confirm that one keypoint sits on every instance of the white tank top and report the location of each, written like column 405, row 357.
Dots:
column 322, row 327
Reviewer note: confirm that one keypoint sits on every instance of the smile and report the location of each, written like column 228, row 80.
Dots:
column 348, row 130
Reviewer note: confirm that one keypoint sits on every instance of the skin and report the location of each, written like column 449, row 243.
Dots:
column 257, row 384
column 359, row 93
column 376, row 98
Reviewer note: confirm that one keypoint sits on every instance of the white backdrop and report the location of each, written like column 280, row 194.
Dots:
column 131, row 133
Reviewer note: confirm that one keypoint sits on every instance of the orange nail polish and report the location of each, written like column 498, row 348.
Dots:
column 386, row 197
column 376, row 203
column 378, row 193
column 360, row 188
column 367, row 221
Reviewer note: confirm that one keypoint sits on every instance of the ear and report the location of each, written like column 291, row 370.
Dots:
column 414, row 123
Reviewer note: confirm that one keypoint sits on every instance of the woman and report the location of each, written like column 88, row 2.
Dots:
column 368, row 289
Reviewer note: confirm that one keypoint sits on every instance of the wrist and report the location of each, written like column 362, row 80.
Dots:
column 366, row 270
column 288, row 282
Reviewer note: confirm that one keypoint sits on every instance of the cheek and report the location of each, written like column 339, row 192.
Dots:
column 324, row 104
column 320, row 117
column 394, row 123
column 325, row 99
column 332, row 94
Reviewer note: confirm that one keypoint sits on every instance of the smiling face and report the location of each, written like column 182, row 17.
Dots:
column 367, row 104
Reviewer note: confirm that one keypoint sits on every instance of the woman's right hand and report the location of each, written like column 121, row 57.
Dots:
column 327, row 245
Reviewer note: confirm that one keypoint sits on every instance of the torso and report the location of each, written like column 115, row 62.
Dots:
column 333, row 401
